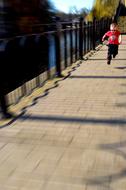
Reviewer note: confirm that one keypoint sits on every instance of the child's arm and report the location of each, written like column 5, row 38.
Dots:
column 105, row 36
column 120, row 39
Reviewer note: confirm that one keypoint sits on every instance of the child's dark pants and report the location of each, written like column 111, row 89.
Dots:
column 112, row 50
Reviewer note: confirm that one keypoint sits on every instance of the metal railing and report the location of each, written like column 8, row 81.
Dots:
column 28, row 60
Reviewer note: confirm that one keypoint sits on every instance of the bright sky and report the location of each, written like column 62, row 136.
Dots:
column 64, row 5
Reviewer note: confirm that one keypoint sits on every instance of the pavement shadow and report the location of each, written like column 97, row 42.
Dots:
column 122, row 93
column 120, row 49
column 106, row 180
column 123, row 84
column 114, row 148
column 102, row 59
column 120, row 67
column 123, row 105
column 64, row 119
column 98, row 77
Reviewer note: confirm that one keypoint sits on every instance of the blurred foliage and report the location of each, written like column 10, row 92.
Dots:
column 103, row 9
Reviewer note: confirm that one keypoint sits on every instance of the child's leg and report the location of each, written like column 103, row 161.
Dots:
column 109, row 59
column 109, row 56
column 115, row 51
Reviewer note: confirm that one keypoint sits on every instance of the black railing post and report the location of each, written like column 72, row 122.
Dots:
column 102, row 22
column 71, row 43
column 91, row 35
column 3, row 104
column 81, row 38
column 58, row 51
column 85, row 39
column 65, row 44
column 90, row 48
column 3, row 83
column 88, row 36
column 76, row 40
column 102, row 30
column 94, row 33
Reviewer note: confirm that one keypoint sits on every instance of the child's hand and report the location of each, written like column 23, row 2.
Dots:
column 105, row 42
column 120, row 42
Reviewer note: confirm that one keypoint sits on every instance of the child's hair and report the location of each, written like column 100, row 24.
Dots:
column 113, row 26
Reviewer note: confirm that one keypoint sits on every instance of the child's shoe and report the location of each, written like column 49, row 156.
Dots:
column 108, row 62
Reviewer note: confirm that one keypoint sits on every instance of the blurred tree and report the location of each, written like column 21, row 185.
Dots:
column 103, row 8
column 74, row 14
column 84, row 12
column 73, row 10
column 78, row 12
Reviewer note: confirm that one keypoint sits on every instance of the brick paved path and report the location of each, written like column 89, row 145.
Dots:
column 75, row 137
